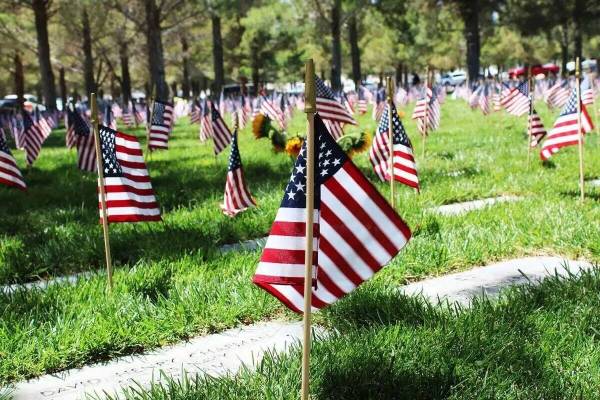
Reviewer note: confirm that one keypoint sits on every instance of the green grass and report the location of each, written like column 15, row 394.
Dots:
column 535, row 343
column 171, row 283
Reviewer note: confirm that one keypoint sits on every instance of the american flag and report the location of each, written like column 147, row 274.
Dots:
column 558, row 94
column 221, row 133
column 70, row 138
column 34, row 133
column 428, row 105
column 347, row 103
column 127, row 115
column 564, row 132
column 536, row 128
column 129, row 194
column 160, row 126
column 517, row 101
column 484, row 100
column 109, row 118
column 195, row 113
column 333, row 113
column 237, row 197
column 206, row 127
column 273, row 111
column 356, row 232
column 244, row 111
column 405, row 168
column 474, row 97
column 587, row 92
column 362, row 100
column 139, row 113
column 10, row 174
column 379, row 104
column 496, row 96
column 86, row 150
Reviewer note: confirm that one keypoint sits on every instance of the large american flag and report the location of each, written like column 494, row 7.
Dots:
column 160, row 126
column 34, row 134
column 405, row 168
column 536, row 128
column 84, row 140
column 333, row 113
column 564, row 132
column 237, row 197
column 206, row 127
column 517, row 101
column 356, row 232
column 10, row 174
column 129, row 194
column 221, row 133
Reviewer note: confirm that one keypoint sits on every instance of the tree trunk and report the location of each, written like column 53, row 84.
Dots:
column 125, row 76
column 185, row 86
column 470, row 14
column 255, row 66
column 156, row 61
column 217, row 54
column 564, row 48
column 354, row 50
column 88, row 58
column 46, row 75
column 336, row 46
column 578, row 11
column 399, row 68
column 19, row 80
column 63, row 86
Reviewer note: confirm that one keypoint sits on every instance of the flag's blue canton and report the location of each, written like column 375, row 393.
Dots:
column 571, row 106
column 330, row 159
column 215, row 114
column 524, row 88
column 107, row 114
column 80, row 126
column 323, row 90
column 158, row 114
column 235, row 161
column 111, row 166
column 400, row 136
column 27, row 121
column 3, row 146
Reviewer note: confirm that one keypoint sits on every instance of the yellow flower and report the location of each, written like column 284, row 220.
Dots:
column 364, row 142
column 258, row 126
column 293, row 146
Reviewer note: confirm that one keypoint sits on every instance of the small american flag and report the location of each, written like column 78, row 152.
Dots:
column 221, row 133
column 206, row 128
column 34, row 133
column 244, row 111
column 139, row 113
column 379, row 104
column 10, row 174
column 70, row 138
column 405, row 168
column 273, row 111
column 160, row 126
column 587, row 92
column 331, row 110
column 564, row 132
column 356, row 232
column 84, row 140
column 108, row 118
column 127, row 115
column 237, row 197
column 195, row 113
column 362, row 101
column 536, row 128
column 428, row 105
column 129, row 194
column 484, row 100
column 517, row 101
column 558, row 94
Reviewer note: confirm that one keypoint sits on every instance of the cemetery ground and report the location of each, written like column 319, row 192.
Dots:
column 171, row 282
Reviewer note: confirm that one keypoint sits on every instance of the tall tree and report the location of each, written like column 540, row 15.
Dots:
column 469, row 11
column 185, row 84
column 88, row 58
column 156, row 61
column 217, row 49
column 19, row 79
column 41, row 12
column 354, row 49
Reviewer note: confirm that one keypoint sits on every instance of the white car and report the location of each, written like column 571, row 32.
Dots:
column 453, row 78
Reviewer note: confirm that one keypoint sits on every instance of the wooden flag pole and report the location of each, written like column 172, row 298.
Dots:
column 390, row 100
column 96, row 133
column 530, row 116
column 580, row 133
column 310, row 108
column 425, row 119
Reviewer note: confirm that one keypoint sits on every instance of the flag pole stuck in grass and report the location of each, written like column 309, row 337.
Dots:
column 102, row 190
column 310, row 108
column 579, row 131
column 390, row 100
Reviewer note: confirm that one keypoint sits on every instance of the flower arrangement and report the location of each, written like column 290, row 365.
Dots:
column 293, row 146
column 263, row 128
column 354, row 143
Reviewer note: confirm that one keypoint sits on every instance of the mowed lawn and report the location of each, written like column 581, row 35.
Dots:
column 171, row 283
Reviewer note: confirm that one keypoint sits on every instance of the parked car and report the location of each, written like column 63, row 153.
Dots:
column 10, row 102
column 545, row 69
column 453, row 78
